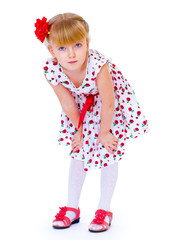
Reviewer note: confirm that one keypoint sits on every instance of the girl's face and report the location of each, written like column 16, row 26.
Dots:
column 71, row 57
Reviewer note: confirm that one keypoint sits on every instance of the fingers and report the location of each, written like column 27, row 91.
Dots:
column 76, row 146
column 75, row 149
column 115, row 140
column 75, row 139
column 110, row 150
column 75, row 142
column 113, row 146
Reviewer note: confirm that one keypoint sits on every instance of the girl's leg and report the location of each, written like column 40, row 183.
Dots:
column 76, row 180
column 109, row 177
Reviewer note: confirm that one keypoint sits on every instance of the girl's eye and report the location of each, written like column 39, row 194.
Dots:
column 78, row 45
column 62, row 48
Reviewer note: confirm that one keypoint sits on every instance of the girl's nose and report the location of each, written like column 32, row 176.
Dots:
column 71, row 53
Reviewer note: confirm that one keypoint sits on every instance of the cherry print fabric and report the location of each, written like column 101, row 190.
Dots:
column 128, row 120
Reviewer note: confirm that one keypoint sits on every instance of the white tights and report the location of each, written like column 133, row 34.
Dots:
column 108, row 181
column 76, row 179
column 77, row 175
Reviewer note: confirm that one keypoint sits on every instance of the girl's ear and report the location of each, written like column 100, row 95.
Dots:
column 51, row 51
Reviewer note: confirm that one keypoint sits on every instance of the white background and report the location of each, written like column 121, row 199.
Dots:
column 138, row 36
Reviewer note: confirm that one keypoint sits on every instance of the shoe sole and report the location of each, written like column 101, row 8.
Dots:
column 97, row 231
column 75, row 221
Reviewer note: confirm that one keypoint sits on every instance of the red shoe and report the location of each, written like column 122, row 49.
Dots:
column 61, row 217
column 100, row 215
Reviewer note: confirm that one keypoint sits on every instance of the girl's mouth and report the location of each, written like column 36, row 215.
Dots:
column 72, row 62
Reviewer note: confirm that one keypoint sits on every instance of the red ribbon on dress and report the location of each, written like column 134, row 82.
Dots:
column 88, row 106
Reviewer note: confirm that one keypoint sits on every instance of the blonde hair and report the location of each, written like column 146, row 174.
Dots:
column 67, row 28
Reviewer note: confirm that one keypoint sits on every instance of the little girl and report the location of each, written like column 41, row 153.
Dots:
column 99, row 112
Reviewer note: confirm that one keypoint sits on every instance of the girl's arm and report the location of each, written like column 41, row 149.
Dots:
column 106, row 91
column 68, row 104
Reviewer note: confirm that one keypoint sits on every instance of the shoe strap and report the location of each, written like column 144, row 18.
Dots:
column 65, row 220
column 100, row 215
column 102, row 223
column 77, row 211
column 108, row 213
column 61, row 215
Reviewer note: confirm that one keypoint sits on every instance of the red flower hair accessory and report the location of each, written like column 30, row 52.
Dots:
column 41, row 28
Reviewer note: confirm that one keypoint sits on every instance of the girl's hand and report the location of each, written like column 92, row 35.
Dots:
column 108, row 141
column 77, row 142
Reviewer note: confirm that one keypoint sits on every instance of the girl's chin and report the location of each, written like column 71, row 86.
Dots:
column 72, row 67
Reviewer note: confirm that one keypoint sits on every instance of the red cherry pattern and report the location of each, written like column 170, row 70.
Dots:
column 128, row 122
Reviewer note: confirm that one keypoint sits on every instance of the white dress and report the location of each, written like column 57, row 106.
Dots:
column 128, row 120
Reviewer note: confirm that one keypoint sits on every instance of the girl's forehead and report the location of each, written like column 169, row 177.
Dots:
column 71, row 44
